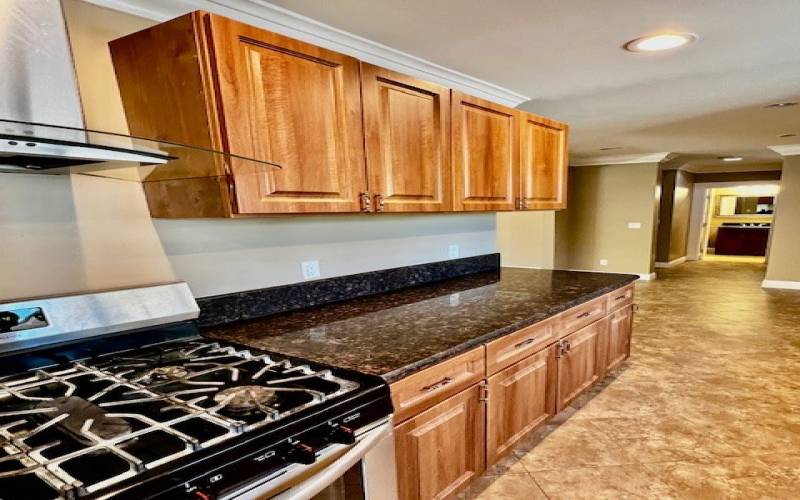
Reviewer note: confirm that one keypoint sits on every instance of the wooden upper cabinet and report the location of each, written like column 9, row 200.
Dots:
column 407, row 138
column 544, row 165
column 294, row 104
column 485, row 154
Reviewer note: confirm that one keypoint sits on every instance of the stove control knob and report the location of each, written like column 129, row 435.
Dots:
column 341, row 434
column 300, row 453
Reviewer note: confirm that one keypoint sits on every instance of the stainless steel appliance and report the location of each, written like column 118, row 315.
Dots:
column 117, row 395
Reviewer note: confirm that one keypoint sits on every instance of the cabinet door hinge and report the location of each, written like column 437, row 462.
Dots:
column 484, row 391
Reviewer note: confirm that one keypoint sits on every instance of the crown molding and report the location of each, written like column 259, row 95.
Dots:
column 273, row 18
column 620, row 159
column 786, row 149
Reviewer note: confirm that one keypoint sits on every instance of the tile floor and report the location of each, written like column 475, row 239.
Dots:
column 707, row 407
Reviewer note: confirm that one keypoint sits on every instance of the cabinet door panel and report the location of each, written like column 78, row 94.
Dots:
column 580, row 363
column 485, row 154
column 544, row 163
column 407, row 130
column 439, row 451
column 618, row 345
column 521, row 398
column 294, row 104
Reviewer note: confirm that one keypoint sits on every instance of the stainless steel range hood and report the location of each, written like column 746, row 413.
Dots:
column 42, row 127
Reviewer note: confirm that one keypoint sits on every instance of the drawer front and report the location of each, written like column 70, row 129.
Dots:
column 585, row 314
column 423, row 390
column 514, row 347
column 619, row 298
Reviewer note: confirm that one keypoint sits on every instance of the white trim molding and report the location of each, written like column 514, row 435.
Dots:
column 642, row 276
column 620, row 159
column 786, row 149
column 286, row 22
column 783, row 285
column 672, row 263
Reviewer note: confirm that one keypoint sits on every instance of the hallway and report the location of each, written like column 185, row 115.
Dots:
column 707, row 407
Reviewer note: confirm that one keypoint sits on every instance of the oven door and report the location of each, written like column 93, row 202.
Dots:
column 362, row 471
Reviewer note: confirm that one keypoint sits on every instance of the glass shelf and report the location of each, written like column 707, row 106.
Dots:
column 41, row 148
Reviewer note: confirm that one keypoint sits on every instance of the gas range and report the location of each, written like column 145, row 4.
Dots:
column 162, row 412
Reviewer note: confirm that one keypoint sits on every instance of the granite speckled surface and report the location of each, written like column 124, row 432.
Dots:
column 252, row 304
column 398, row 333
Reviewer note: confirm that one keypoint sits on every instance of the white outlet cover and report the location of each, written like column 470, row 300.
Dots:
column 634, row 225
column 310, row 269
column 603, row 262
column 453, row 251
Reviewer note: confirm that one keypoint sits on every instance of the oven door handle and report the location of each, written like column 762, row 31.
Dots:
column 329, row 475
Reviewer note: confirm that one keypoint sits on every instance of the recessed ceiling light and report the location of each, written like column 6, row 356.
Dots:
column 786, row 104
column 663, row 41
column 784, row 136
column 610, row 148
column 729, row 158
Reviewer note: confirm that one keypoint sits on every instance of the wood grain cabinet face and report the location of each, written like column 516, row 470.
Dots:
column 485, row 154
column 407, row 138
column 521, row 398
column 580, row 362
column 618, row 339
column 543, row 165
column 297, row 105
column 440, row 450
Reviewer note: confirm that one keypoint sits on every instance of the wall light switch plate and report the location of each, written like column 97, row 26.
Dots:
column 603, row 262
column 453, row 251
column 634, row 225
column 310, row 269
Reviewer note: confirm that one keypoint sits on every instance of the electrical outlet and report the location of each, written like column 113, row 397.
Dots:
column 634, row 225
column 310, row 269
column 603, row 262
column 453, row 251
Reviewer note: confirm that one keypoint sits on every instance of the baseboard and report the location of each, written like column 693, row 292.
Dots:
column 784, row 285
column 647, row 277
column 672, row 263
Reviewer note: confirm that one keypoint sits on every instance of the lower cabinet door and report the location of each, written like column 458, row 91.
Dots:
column 440, row 450
column 618, row 345
column 521, row 398
column 580, row 361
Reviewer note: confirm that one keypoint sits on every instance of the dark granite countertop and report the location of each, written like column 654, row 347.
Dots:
column 396, row 334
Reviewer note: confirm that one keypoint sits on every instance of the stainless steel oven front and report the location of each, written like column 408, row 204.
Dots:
column 364, row 470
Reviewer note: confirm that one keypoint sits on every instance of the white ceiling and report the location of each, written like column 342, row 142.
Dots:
column 703, row 101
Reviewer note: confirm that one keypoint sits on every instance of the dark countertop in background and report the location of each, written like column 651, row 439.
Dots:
column 395, row 334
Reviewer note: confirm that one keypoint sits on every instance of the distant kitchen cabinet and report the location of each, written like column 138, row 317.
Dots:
column 485, row 154
column 407, row 137
column 544, row 167
column 252, row 93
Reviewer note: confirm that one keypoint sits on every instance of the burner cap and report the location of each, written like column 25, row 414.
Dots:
column 246, row 398
column 170, row 372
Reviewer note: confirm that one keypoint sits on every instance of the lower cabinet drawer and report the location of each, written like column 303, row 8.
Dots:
column 576, row 318
column 422, row 390
column 619, row 298
column 521, row 398
column 441, row 450
column 516, row 346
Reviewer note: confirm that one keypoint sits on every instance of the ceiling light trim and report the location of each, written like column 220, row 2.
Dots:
column 271, row 17
column 620, row 159
column 786, row 149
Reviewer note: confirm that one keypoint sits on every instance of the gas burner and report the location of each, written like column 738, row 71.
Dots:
column 247, row 399
column 169, row 372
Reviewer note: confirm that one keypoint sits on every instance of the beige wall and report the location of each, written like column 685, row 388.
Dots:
column 526, row 239
column 783, row 262
column 603, row 200
column 674, row 216
column 65, row 234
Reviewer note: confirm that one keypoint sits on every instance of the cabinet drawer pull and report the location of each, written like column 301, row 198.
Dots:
column 437, row 385
column 584, row 315
column 525, row 342
column 621, row 297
